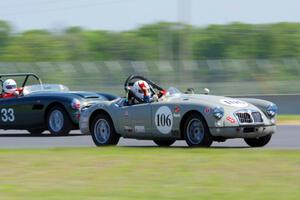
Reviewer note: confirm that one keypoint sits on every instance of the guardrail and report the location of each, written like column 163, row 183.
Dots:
column 253, row 76
column 222, row 77
column 287, row 104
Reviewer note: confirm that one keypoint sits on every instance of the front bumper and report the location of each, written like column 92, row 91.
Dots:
column 75, row 115
column 243, row 131
column 84, row 125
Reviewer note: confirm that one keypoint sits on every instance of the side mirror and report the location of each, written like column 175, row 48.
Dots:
column 191, row 91
column 206, row 91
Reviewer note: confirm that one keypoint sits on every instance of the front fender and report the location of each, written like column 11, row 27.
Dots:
column 260, row 103
column 86, row 115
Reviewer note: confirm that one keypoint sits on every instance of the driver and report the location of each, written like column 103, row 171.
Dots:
column 141, row 90
column 10, row 89
column 142, row 93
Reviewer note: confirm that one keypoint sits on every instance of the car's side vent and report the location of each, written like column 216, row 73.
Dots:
column 244, row 117
column 92, row 97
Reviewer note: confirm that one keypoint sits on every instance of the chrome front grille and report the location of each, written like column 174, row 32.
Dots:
column 249, row 117
column 256, row 117
column 244, row 117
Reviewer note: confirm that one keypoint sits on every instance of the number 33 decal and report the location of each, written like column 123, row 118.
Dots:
column 7, row 115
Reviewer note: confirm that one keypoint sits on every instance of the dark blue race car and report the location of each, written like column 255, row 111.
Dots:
column 41, row 107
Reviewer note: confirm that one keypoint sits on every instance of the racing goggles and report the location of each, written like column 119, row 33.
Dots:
column 10, row 87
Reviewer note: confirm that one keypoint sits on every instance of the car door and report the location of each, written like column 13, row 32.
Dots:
column 10, row 114
column 17, row 113
column 165, row 120
column 136, row 120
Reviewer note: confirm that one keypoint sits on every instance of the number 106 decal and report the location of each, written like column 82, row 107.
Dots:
column 7, row 115
column 164, row 120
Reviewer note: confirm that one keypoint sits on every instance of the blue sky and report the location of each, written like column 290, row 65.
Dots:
column 118, row 15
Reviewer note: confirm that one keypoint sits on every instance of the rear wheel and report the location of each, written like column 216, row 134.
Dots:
column 103, row 131
column 164, row 142
column 196, row 132
column 36, row 131
column 258, row 142
column 58, row 121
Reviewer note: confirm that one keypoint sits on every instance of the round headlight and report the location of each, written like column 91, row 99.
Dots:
column 76, row 104
column 272, row 110
column 218, row 112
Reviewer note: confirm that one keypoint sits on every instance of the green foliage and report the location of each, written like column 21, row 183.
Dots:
column 159, row 41
column 4, row 34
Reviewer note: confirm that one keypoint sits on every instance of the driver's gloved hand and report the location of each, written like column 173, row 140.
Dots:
column 126, row 102
column 16, row 93
column 146, row 99
column 155, row 98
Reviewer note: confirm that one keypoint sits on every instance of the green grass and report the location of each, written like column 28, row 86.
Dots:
column 149, row 173
column 289, row 119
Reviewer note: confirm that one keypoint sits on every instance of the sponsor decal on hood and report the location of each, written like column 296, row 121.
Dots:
column 234, row 103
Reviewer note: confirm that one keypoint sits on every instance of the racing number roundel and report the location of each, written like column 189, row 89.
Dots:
column 234, row 103
column 164, row 119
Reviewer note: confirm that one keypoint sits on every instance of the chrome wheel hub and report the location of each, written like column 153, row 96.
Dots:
column 56, row 120
column 102, row 131
column 195, row 131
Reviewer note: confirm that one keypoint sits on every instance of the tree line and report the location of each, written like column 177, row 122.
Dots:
column 158, row 41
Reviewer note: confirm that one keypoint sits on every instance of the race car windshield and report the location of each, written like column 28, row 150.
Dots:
column 173, row 90
column 45, row 87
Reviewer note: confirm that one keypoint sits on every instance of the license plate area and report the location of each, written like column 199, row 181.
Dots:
column 249, row 129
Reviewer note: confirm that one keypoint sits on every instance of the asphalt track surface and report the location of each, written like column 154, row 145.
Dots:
column 286, row 137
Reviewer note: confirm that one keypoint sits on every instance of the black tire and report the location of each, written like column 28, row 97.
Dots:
column 66, row 126
column 111, row 137
column 206, row 138
column 258, row 142
column 164, row 142
column 36, row 131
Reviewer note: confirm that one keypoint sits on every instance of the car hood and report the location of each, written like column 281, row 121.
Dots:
column 85, row 95
column 226, row 102
column 89, row 96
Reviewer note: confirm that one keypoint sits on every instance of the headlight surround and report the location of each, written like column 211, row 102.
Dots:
column 272, row 110
column 218, row 112
column 76, row 104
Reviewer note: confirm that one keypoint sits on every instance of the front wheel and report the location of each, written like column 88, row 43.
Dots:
column 258, row 142
column 103, row 131
column 164, row 142
column 58, row 121
column 196, row 132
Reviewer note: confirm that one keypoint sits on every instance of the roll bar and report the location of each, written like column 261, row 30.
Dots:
column 26, row 75
column 132, row 77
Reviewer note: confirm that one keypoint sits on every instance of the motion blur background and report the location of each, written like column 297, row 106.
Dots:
column 231, row 47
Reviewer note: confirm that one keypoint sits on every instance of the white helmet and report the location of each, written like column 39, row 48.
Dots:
column 10, row 86
column 141, row 89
